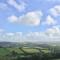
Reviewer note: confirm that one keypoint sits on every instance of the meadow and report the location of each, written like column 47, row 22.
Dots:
column 30, row 52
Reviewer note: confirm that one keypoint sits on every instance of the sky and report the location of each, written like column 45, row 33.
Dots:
column 29, row 20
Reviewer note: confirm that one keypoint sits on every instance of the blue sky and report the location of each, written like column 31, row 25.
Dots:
column 30, row 16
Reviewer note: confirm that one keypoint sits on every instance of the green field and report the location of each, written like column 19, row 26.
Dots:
column 26, row 53
column 8, row 53
column 4, row 51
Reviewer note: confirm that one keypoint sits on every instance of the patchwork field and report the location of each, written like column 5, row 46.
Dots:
column 29, row 52
column 14, row 53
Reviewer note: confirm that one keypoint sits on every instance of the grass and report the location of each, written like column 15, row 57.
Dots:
column 5, row 51
column 46, row 51
column 31, row 50
column 15, row 49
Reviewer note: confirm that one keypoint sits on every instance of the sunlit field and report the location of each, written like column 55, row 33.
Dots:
column 27, row 52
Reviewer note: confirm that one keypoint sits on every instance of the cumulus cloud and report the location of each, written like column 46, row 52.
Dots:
column 13, row 18
column 55, row 11
column 10, row 36
column 30, row 18
column 20, row 7
column 51, row 34
column 50, row 20
column 54, row 32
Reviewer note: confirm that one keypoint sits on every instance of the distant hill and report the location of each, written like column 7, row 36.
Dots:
column 26, row 44
column 9, row 44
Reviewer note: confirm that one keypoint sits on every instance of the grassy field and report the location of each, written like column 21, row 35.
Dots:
column 31, row 50
column 5, row 51
column 24, row 52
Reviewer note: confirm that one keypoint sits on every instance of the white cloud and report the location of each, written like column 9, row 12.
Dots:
column 31, row 18
column 13, row 18
column 50, row 20
column 51, row 34
column 54, row 30
column 20, row 7
column 55, row 11
column 1, row 30
column 10, row 34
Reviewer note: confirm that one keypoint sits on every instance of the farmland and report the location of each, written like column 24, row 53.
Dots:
column 8, row 53
column 29, row 52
